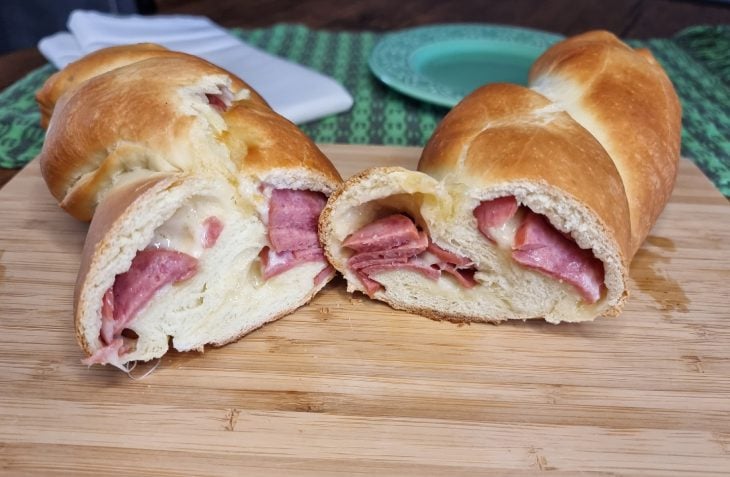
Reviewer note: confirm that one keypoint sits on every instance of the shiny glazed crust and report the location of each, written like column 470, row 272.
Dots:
column 625, row 99
column 503, row 133
column 260, row 140
column 95, row 64
column 152, row 116
column 92, row 65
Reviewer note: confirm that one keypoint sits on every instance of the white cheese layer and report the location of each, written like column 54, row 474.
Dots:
column 185, row 231
column 504, row 235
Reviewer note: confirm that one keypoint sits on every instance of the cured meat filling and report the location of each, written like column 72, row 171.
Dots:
column 395, row 242
column 293, row 217
column 292, row 231
column 536, row 244
column 151, row 270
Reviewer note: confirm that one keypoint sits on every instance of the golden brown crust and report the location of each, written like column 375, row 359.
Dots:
column 634, row 112
column 141, row 121
column 504, row 133
column 260, row 140
column 138, row 120
column 89, row 66
column 95, row 64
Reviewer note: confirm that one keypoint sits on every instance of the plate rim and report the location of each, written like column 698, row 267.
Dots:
column 394, row 45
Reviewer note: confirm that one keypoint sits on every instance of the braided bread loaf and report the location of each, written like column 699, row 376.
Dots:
column 529, row 202
column 203, row 202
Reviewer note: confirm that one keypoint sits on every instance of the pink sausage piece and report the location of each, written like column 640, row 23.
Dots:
column 394, row 242
column 275, row 263
column 217, row 102
column 495, row 213
column 293, row 218
column 151, row 269
column 449, row 257
column 540, row 246
column 399, row 254
column 383, row 234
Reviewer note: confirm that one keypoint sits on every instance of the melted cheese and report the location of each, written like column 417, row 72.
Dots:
column 262, row 201
column 184, row 231
column 504, row 236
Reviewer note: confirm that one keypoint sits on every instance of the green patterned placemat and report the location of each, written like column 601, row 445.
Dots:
column 696, row 59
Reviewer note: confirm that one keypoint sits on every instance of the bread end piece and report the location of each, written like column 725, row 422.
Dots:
column 505, row 290
column 225, row 299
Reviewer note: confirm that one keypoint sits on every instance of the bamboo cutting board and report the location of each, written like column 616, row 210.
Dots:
column 346, row 385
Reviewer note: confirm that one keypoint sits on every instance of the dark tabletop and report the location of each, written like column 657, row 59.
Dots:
column 626, row 18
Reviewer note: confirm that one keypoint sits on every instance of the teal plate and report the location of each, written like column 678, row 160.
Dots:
column 441, row 64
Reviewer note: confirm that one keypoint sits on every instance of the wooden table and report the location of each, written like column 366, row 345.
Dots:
column 349, row 386
column 626, row 18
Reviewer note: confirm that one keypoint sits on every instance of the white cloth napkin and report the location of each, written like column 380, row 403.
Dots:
column 294, row 91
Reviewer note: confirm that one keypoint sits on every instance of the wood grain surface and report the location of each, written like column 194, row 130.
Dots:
column 348, row 386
